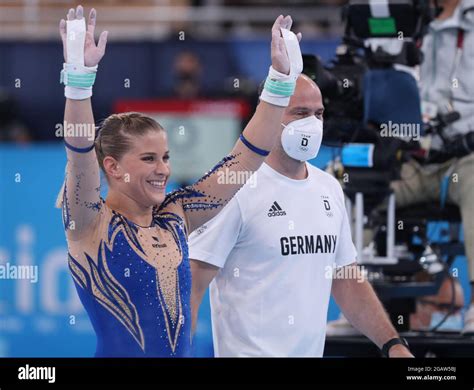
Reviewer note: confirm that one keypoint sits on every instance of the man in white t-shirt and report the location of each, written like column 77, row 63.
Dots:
column 279, row 247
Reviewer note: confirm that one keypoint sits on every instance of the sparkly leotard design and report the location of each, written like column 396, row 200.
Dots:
column 134, row 281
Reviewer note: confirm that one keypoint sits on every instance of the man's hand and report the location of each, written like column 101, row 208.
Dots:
column 92, row 53
column 399, row 351
column 280, row 60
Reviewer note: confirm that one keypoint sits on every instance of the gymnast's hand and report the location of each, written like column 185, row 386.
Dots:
column 92, row 53
column 280, row 60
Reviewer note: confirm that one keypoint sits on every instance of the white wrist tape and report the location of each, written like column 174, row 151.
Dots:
column 280, row 87
column 77, row 78
column 294, row 53
column 76, row 38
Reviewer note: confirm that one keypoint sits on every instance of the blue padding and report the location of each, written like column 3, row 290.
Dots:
column 391, row 95
column 358, row 155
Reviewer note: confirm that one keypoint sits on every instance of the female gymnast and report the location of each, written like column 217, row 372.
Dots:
column 128, row 254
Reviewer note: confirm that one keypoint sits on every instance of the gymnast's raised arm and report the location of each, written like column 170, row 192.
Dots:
column 203, row 200
column 81, row 193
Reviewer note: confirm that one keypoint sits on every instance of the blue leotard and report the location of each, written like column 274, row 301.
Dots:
column 135, row 282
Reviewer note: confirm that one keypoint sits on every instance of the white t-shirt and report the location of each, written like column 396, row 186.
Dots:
column 276, row 242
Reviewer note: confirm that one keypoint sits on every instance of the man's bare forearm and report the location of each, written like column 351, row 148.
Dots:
column 359, row 303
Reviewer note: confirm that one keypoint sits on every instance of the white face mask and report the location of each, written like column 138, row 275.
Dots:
column 453, row 323
column 301, row 139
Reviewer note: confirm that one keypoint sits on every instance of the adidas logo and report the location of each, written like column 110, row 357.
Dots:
column 276, row 210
